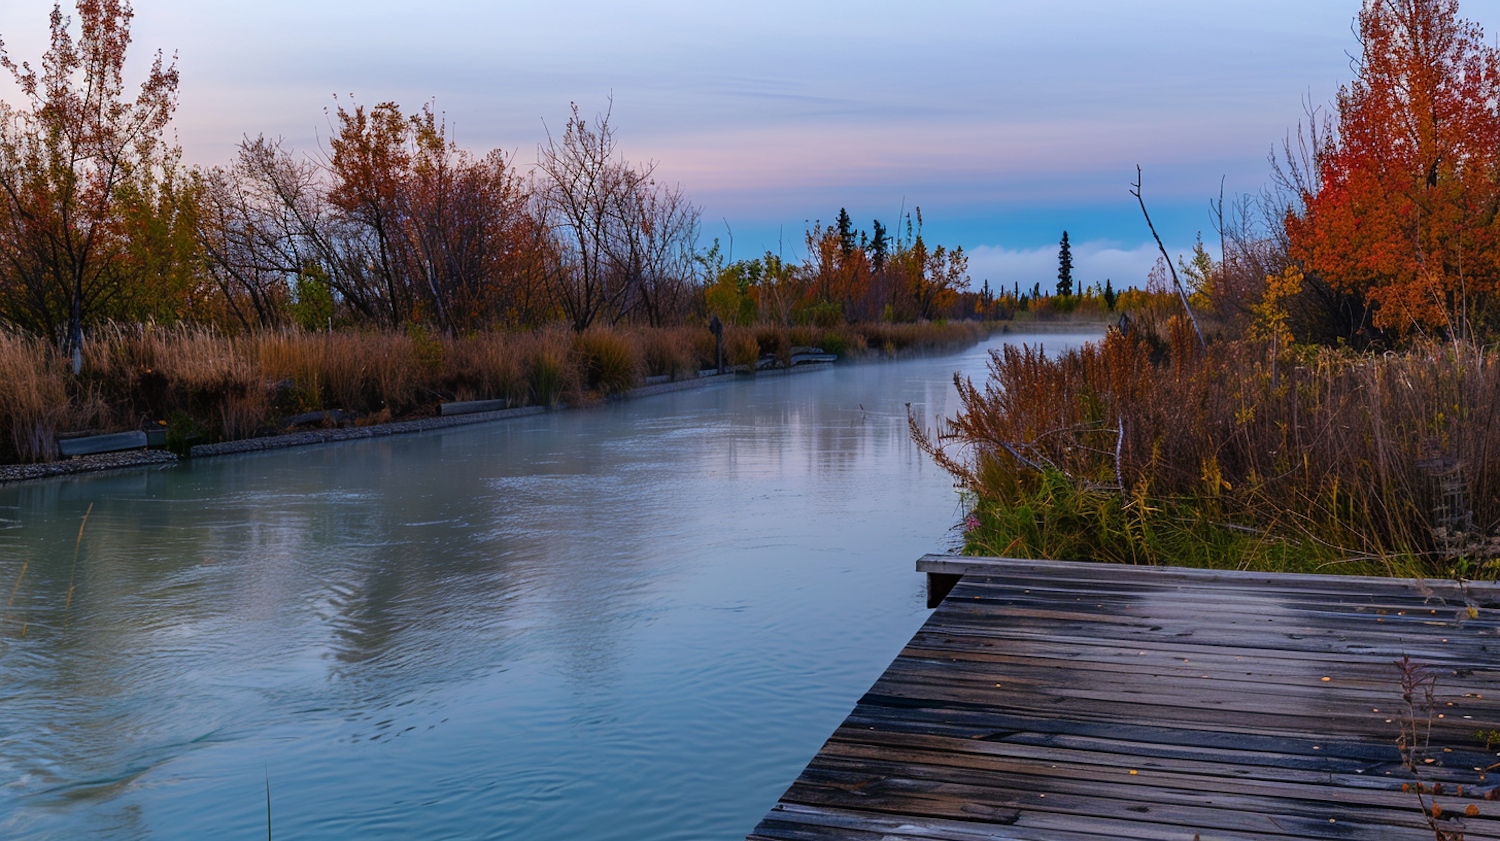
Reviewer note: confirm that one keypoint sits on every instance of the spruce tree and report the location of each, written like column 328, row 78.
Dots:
column 846, row 232
column 1064, row 267
column 880, row 247
column 1110, row 296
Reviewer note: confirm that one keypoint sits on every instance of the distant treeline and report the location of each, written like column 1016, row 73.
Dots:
column 390, row 224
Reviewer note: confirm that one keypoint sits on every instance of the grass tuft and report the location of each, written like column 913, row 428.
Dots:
column 607, row 360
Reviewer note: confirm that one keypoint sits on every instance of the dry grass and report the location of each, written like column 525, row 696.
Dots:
column 486, row 366
column 741, row 348
column 608, row 361
column 898, row 338
column 1383, row 461
column 547, row 359
column 218, row 387
column 34, row 400
column 674, row 352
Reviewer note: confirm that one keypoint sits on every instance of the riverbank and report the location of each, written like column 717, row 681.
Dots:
column 151, row 458
column 199, row 394
column 329, row 436
column 1239, row 456
column 193, row 386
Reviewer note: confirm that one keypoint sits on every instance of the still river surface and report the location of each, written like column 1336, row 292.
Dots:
column 628, row 622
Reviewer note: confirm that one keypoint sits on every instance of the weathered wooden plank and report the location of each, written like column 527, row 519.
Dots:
column 1086, row 595
column 1455, row 677
column 1237, row 606
column 1084, row 774
column 1088, row 810
column 1158, row 576
column 1362, row 673
column 1078, row 752
column 1391, row 647
column 826, row 823
column 1359, row 764
column 1192, row 683
column 1091, row 702
column 1312, row 753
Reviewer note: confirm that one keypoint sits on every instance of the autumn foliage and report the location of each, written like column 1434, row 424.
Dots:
column 391, row 224
column 1404, row 209
column 95, row 211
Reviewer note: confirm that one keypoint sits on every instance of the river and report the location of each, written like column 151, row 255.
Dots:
column 632, row 621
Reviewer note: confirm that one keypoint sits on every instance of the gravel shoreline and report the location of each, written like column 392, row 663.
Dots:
column 85, row 464
column 12, row 473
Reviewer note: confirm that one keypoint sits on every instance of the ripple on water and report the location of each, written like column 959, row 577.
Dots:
column 634, row 622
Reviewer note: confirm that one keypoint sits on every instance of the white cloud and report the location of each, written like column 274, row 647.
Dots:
column 1093, row 262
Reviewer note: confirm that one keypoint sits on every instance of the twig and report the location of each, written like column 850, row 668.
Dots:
column 1181, row 293
column 24, row 564
column 1419, row 695
column 1023, row 459
column 1119, row 445
column 72, row 574
column 1234, row 527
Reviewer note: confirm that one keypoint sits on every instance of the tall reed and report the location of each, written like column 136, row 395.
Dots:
column 226, row 386
column 608, row 361
column 34, row 399
column 1371, row 462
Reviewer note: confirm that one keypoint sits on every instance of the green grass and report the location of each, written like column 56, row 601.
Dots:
column 1048, row 516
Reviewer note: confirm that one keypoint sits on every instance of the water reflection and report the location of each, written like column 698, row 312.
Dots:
column 636, row 619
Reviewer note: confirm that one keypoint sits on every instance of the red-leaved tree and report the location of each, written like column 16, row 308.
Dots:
column 1405, row 211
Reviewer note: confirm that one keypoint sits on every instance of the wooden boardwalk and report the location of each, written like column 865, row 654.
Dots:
column 1083, row 702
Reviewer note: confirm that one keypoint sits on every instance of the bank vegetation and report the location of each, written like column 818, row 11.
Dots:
column 385, row 272
column 1326, row 400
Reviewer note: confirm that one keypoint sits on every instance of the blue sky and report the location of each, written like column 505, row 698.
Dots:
column 1007, row 122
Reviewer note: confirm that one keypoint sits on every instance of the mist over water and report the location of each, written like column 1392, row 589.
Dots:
column 637, row 620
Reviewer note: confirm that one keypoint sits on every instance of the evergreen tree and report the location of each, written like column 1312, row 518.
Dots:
column 1110, row 296
column 846, row 232
column 1064, row 267
column 880, row 247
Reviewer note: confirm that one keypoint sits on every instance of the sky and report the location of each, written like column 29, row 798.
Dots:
column 1005, row 122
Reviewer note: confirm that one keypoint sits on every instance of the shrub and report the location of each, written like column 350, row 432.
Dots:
column 741, row 350
column 607, row 360
column 775, row 341
column 671, row 352
column 484, row 367
column 545, row 360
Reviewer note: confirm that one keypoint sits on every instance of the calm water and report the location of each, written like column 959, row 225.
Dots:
column 636, row 621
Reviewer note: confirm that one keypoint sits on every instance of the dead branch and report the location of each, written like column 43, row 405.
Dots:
column 1135, row 190
column 1119, row 446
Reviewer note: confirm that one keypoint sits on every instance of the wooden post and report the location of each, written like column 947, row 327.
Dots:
column 939, row 585
column 716, row 327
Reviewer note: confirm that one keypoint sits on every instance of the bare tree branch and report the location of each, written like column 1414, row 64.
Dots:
column 1135, row 190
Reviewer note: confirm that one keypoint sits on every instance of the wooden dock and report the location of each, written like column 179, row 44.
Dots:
column 1083, row 702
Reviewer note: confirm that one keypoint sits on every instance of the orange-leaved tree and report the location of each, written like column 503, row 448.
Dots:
column 90, row 193
column 1404, row 213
